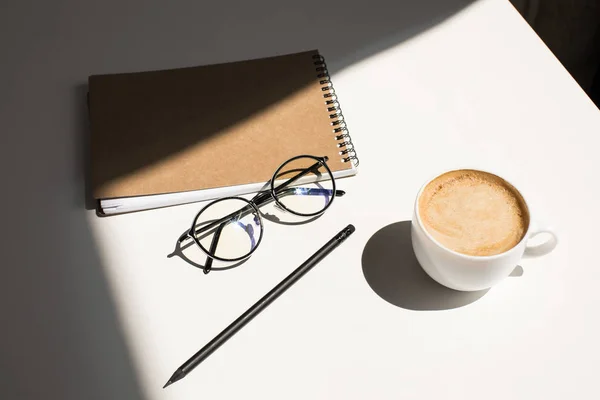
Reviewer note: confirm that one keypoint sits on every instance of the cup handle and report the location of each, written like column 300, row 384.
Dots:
column 542, row 248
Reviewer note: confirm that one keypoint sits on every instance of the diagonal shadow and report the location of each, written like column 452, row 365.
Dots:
column 359, row 30
column 62, row 336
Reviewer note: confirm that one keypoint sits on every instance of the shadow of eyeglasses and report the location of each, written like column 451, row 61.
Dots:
column 181, row 245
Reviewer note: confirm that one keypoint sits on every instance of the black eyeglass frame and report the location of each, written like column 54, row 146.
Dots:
column 259, row 199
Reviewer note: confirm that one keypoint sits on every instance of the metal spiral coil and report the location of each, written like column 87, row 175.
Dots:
column 338, row 124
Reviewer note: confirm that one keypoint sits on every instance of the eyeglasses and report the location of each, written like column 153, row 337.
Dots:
column 231, row 228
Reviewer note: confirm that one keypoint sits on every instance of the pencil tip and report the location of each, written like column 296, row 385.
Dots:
column 177, row 375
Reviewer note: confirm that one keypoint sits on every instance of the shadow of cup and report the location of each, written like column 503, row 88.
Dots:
column 391, row 269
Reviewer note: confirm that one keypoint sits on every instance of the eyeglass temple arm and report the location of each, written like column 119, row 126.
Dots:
column 213, row 245
column 206, row 227
column 311, row 192
column 267, row 198
column 184, row 236
column 189, row 234
column 213, row 248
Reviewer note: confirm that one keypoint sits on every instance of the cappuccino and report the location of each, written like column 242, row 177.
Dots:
column 473, row 212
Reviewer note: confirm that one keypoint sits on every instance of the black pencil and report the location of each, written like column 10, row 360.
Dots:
column 260, row 305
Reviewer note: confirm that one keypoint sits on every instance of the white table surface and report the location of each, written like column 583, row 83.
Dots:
column 112, row 317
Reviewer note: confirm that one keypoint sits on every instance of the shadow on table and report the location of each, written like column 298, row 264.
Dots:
column 62, row 336
column 345, row 34
column 62, row 321
column 393, row 272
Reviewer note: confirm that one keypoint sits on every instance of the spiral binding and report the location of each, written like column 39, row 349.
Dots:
column 340, row 129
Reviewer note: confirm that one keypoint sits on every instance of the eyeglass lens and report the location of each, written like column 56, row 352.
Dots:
column 236, row 236
column 310, row 194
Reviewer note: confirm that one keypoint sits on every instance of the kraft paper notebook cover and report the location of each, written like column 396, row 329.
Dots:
column 161, row 138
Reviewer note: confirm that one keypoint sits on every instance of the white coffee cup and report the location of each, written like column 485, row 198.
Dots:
column 470, row 273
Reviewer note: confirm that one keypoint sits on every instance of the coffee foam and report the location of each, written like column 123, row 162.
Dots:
column 473, row 212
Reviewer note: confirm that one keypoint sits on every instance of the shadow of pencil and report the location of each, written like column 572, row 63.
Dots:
column 391, row 269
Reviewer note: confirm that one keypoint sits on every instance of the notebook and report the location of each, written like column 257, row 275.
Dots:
column 169, row 137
